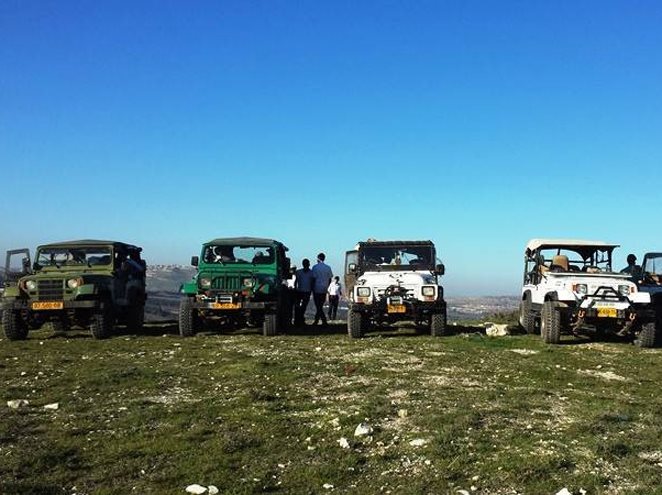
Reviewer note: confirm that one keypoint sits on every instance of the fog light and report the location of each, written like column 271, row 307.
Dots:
column 363, row 291
column 205, row 283
column 30, row 284
column 624, row 290
column 428, row 291
column 74, row 283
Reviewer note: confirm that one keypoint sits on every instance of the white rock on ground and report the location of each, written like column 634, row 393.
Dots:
column 16, row 403
column 402, row 413
column 418, row 442
column 52, row 407
column 212, row 490
column 343, row 443
column 196, row 489
column 564, row 491
column 327, row 486
column 363, row 429
column 497, row 330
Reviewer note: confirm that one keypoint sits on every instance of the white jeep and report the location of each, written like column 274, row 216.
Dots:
column 389, row 281
column 570, row 286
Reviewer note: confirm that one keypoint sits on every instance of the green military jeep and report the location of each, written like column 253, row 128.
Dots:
column 85, row 283
column 239, row 281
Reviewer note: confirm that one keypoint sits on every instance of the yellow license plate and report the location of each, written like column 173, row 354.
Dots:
column 607, row 312
column 48, row 305
column 217, row 305
column 396, row 308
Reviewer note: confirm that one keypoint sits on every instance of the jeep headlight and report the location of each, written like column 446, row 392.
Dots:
column 30, row 284
column 205, row 282
column 248, row 282
column 624, row 290
column 74, row 283
column 428, row 291
column 580, row 289
column 363, row 291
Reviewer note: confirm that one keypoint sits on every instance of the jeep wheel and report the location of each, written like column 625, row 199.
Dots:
column 15, row 327
column 526, row 317
column 269, row 325
column 550, row 323
column 135, row 318
column 438, row 324
column 647, row 335
column 355, row 324
column 187, row 318
column 102, row 323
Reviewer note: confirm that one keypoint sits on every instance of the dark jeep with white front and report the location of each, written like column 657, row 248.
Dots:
column 391, row 281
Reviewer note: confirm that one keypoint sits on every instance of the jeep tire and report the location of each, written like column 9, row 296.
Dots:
column 527, row 318
column 355, row 324
column 187, row 318
column 438, row 324
column 102, row 322
column 14, row 326
column 648, row 335
column 550, row 323
column 269, row 325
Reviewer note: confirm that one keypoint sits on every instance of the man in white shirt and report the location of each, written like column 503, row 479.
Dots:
column 322, row 274
column 334, row 291
column 303, row 285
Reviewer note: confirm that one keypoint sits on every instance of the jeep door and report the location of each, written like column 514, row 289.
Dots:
column 351, row 270
column 17, row 264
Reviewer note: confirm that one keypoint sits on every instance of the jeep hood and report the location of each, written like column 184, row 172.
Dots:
column 382, row 280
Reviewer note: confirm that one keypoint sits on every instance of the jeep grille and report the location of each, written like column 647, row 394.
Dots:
column 226, row 283
column 49, row 290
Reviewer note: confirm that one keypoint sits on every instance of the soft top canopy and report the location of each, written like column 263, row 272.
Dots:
column 535, row 244
column 393, row 243
column 244, row 241
column 89, row 243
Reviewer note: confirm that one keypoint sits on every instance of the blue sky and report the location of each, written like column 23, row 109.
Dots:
column 478, row 125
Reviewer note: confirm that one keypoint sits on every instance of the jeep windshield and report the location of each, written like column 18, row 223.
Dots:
column 587, row 259
column 226, row 254
column 653, row 264
column 73, row 256
column 397, row 257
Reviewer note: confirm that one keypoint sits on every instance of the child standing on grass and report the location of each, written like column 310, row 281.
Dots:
column 334, row 291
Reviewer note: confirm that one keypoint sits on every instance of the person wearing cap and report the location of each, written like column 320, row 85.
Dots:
column 632, row 269
column 322, row 274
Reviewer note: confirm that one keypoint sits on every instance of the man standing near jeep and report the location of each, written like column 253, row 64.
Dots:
column 303, row 284
column 322, row 274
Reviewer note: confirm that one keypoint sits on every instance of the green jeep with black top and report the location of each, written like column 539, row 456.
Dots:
column 86, row 283
column 240, row 281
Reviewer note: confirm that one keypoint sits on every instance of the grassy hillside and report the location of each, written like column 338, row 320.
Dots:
column 154, row 413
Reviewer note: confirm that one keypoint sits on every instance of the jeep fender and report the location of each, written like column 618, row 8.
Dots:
column 640, row 298
column 562, row 295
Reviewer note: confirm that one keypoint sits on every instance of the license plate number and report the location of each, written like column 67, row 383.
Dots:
column 48, row 305
column 218, row 305
column 396, row 308
column 607, row 312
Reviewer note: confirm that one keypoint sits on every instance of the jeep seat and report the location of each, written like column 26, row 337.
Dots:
column 560, row 263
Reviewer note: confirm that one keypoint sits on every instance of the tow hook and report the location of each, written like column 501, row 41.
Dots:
column 627, row 328
column 581, row 314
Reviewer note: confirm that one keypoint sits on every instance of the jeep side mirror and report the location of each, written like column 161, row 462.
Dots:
column 194, row 260
column 351, row 267
column 440, row 269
